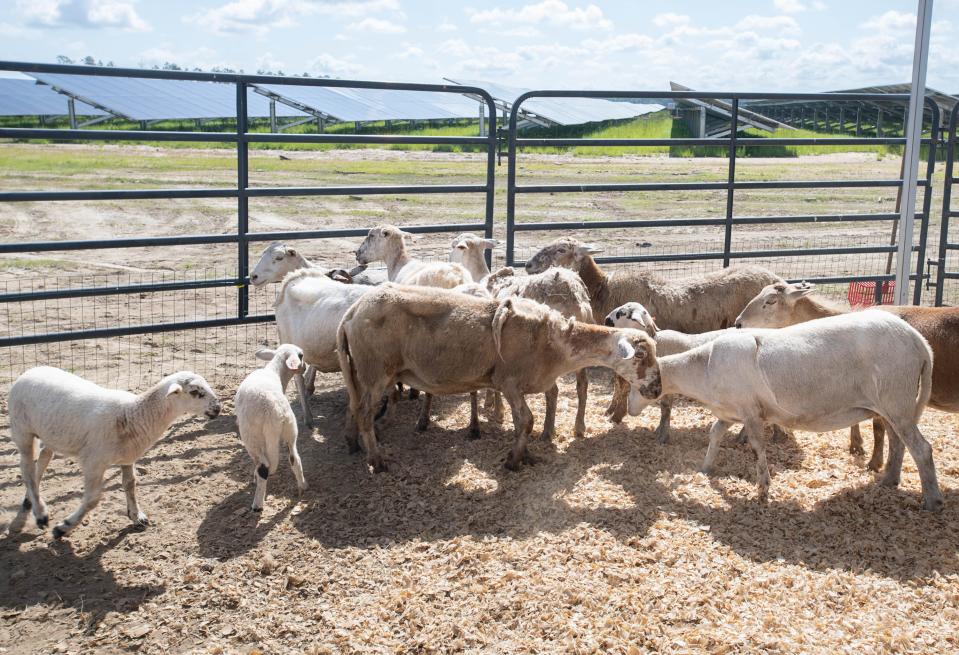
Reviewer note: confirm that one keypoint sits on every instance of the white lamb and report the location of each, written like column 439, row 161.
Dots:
column 98, row 427
column 264, row 417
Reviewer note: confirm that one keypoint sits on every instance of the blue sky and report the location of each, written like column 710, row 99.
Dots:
column 763, row 45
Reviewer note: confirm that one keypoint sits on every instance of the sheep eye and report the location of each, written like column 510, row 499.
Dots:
column 196, row 394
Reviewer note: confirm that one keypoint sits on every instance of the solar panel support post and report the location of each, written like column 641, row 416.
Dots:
column 731, row 179
column 879, row 123
column 72, row 111
column 273, row 115
column 920, row 59
column 242, row 204
column 842, row 119
column 482, row 119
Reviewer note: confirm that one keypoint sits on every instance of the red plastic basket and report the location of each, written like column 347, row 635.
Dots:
column 863, row 294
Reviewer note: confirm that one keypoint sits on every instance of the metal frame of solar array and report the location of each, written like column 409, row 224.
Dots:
column 243, row 192
column 948, row 213
column 730, row 185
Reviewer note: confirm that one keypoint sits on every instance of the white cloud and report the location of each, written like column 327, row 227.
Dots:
column 797, row 6
column 377, row 25
column 267, row 62
column 261, row 16
column 670, row 20
column 621, row 43
column 551, row 12
column 767, row 24
column 446, row 26
column 327, row 64
column 91, row 14
column 891, row 21
column 202, row 57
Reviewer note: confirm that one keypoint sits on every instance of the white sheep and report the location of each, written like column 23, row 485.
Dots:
column 264, row 417
column 278, row 259
column 98, row 427
column 387, row 243
column 470, row 251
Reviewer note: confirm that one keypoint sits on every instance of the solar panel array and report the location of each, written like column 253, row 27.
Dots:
column 144, row 99
column 566, row 111
column 348, row 104
column 20, row 97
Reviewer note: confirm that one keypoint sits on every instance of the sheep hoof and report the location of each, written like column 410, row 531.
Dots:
column 378, row 464
column 516, row 463
column 422, row 425
column 856, row 450
column 875, row 464
column 579, row 433
column 141, row 520
column 889, row 480
column 763, row 496
column 933, row 504
column 256, row 510
column 302, row 487
column 58, row 532
column 352, row 446
column 547, row 435
column 706, row 470
column 43, row 522
column 474, row 433
column 27, row 505
column 662, row 436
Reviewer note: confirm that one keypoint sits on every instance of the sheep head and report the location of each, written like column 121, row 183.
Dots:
column 566, row 252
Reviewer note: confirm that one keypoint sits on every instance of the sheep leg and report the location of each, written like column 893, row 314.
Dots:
column 310, row 379
column 522, row 426
column 878, row 434
column 92, row 488
column 549, row 422
column 266, row 464
column 134, row 512
column 423, row 421
column 582, row 390
column 363, row 415
column 617, row 404
column 921, row 453
column 413, row 394
column 28, row 470
column 295, row 462
column 754, row 432
column 45, row 456
column 716, row 433
column 474, row 431
column 351, row 434
column 855, row 441
column 304, row 399
column 662, row 430
column 893, row 460
column 494, row 401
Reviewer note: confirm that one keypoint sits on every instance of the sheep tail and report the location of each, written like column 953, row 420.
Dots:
column 925, row 380
column 499, row 320
column 346, row 360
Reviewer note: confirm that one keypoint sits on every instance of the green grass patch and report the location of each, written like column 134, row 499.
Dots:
column 34, row 264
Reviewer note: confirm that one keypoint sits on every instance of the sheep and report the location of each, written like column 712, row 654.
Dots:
column 308, row 310
column 470, row 251
column 783, row 376
column 562, row 290
column 388, row 243
column 99, row 427
column 668, row 342
column 780, row 305
column 444, row 342
column 264, row 417
column 278, row 259
column 702, row 304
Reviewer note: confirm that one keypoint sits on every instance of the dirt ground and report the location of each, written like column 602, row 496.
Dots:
column 612, row 543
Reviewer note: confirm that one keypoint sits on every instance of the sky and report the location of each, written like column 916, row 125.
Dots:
column 741, row 45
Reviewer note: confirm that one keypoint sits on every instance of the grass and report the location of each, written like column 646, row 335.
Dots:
column 35, row 264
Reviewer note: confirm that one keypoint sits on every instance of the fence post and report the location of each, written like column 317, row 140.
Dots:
column 731, row 180
column 242, row 203
column 951, row 146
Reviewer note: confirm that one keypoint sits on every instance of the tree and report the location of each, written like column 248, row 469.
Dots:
column 63, row 59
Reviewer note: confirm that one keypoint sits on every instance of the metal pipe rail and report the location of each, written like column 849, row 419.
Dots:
column 242, row 191
column 949, row 183
column 731, row 143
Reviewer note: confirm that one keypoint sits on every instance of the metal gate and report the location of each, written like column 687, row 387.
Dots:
column 242, row 191
column 948, row 213
column 730, row 185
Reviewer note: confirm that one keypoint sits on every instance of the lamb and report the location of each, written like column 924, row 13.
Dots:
column 782, row 376
column 309, row 307
column 470, row 251
column 98, row 427
column 278, row 259
column 702, row 304
column 668, row 342
column 562, row 290
column 444, row 342
column 264, row 417
column 388, row 243
column 780, row 305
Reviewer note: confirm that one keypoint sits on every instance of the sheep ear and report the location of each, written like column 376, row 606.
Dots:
column 409, row 236
column 795, row 291
column 293, row 363
column 291, row 252
column 266, row 354
column 589, row 249
column 625, row 348
column 174, row 388
column 489, row 244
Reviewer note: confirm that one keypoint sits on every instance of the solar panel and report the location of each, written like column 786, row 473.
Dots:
column 566, row 111
column 27, row 98
column 144, row 99
column 349, row 104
